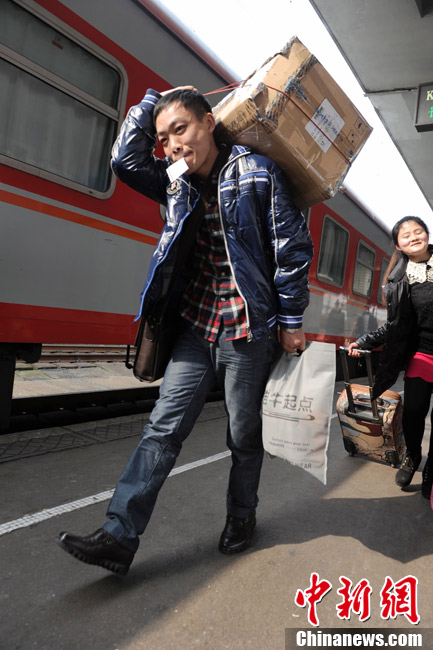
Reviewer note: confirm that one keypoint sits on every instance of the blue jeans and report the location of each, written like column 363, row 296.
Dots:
column 242, row 368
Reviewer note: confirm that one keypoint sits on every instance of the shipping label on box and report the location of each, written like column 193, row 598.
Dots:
column 325, row 125
column 292, row 111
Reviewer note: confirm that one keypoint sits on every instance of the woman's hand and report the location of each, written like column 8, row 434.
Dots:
column 352, row 350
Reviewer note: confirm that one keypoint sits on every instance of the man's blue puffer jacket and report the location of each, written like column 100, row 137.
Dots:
column 268, row 244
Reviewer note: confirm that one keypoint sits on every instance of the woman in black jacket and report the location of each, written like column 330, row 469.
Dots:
column 407, row 339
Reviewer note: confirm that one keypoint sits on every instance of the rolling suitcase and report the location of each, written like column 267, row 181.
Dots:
column 370, row 428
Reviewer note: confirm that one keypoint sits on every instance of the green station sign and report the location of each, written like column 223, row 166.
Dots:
column 424, row 108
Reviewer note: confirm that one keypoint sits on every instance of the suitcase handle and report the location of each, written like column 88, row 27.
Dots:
column 367, row 354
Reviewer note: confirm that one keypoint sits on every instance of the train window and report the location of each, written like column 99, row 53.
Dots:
column 333, row 252
column 60, row 102
column 383, row 268
column 364, row 269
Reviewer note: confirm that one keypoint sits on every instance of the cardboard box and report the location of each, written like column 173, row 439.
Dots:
column 292, row 111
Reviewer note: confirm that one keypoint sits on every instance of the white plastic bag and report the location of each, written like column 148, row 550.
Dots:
column 297, row 407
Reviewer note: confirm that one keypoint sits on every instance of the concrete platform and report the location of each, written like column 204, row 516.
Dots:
column 47, row 379
column 181, row 593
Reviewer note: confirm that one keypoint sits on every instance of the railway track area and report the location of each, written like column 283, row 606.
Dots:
column 58, row 355
column 73, row 384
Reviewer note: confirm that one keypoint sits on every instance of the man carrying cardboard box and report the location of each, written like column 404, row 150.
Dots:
column 247, row 281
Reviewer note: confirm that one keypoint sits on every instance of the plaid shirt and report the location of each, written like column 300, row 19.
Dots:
column 211, row 297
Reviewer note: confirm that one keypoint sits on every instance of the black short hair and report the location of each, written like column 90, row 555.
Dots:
column 195, row 102
column 190, row 100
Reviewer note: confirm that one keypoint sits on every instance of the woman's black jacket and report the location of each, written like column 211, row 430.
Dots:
column 398, row 335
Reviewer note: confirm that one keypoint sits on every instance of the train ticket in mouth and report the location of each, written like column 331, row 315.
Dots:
column 177, row 169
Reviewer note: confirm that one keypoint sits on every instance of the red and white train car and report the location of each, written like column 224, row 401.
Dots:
column 352, row 252
column 74, row 242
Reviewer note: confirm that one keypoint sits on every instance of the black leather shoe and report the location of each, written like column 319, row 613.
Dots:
column 408, row 467
column 100, row 548
column 237, row 534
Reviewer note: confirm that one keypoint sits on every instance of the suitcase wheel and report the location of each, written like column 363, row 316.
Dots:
column 392, row 458
column 349, row 446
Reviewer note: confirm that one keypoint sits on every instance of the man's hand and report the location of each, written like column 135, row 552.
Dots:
column 166, row 92
column 292, row 341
